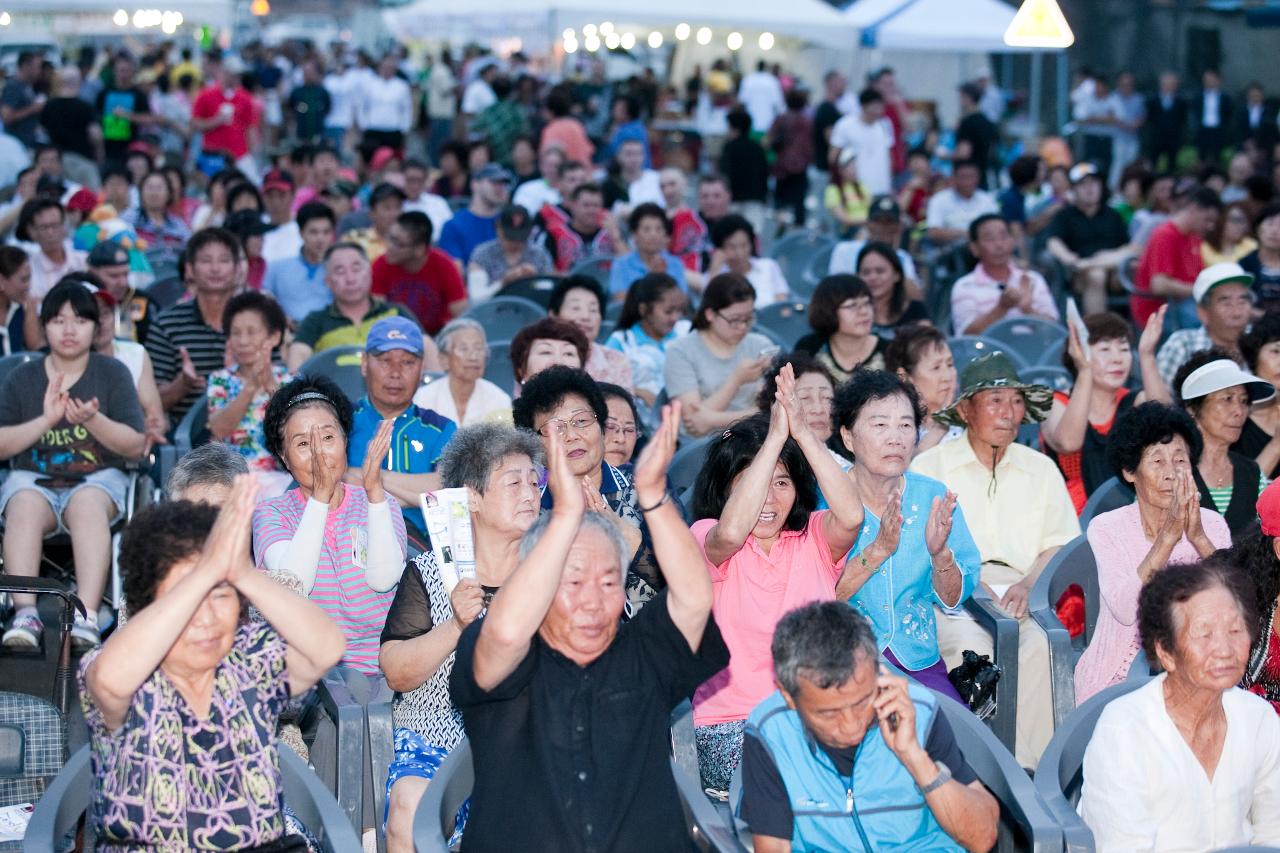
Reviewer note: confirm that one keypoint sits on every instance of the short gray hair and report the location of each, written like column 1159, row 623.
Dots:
column 474, row 451
column 590, row 521
column 824, row 642
column 212, row 464
column 457, row 325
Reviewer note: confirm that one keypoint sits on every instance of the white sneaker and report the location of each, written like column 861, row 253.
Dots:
column 85, row 634
column 25, row 630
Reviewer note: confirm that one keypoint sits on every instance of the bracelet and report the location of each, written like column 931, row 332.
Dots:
column 866, row 566
column 946, row 567
column 944, row 776
column 666, row 496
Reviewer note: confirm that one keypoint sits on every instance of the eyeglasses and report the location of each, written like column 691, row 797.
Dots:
column 578, row 423
column 855, row 305
column 614, row 428
column 738, row 322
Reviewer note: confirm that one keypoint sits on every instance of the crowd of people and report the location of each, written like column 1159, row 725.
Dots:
column 190, row 235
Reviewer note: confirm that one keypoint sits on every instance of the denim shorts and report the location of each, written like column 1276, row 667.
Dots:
column 113, row 481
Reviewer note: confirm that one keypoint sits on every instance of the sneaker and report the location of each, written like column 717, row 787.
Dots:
column 25, row 630
column 85, row 634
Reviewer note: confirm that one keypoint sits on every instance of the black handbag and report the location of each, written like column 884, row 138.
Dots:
column 975, row 680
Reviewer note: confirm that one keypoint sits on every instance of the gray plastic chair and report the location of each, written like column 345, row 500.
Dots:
column 193, row 430
column 71, row 791
column 449, row 789
column 788, row 321
column 795, row 252
column 1112, row 494
column 498, row 368
column 966, row 348
column 338, row 748
column 686, row 464
column 503, row 316
column 1030, row 337
column 1073, row 564
column 535, row 288
column 1004, row 638
column 342, row 365
column 1059, row 775
column 1057, row 378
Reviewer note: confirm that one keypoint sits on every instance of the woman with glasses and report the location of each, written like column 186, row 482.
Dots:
column 715, row 371
column 622, row 429
column 42, row 233
column 842, row 316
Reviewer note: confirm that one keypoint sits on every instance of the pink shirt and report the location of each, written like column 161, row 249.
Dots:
column 1119, row 546
column 978, row 292
column 752, row 591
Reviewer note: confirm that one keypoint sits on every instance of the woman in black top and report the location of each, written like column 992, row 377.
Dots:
column 842, row 315
column 881, row 268
column 1260, row 438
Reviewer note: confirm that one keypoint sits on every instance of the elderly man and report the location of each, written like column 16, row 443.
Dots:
column 832, row 694
column 392, row 370
column 952, row 210
column 206, row 474
column 996, row 289
column 1019, row 513
column 568, row 711
column 1224, row 304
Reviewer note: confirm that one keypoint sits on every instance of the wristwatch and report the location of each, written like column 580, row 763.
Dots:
column 944, row 776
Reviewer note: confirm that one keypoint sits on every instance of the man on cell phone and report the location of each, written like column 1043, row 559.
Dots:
column 910, row 786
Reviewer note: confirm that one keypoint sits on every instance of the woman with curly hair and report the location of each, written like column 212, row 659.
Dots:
column 345, row 543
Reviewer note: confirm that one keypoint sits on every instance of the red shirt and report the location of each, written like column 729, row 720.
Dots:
column 427, row 292
column 1169, row 252
column 232, row 137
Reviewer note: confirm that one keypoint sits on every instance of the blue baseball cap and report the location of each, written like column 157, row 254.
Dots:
column 394, row 333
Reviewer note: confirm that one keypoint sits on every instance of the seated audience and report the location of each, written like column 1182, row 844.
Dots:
column 754, row 500
column 392, row 371
column 247, row 227
column 386, row 205
column 951, row 211
column 650, row 234
column 477, row 222
column 551, row 648
column 545, row 343
column 346, row 320
column 714, row 371
column 153, row 219
column 691, row 229
column 880, row 267
column 580, row 300
column 463, row 395
column 109, row 261
column 345, row 543
column 996, row 289
column 500, row 468
column 652, row 318
column 1188, row 743
column 815, row 395
column 1224, row 305
column 21, row 330
column 1171, row 261
column 623, row 428
column 887, row 747
column 205, row 474
column 298, row 282
column 915, row 551
column 1217, row 394
column 884, row 225
column 1154, row 449
column 238, row 394
column 1232, row 237
column 1075, row 433
column 68, row 422
column 842, row 316
column 735, row 251
column 508, row 257
column 1258, row 555
column 584, row 233
column 845, row 198
column 920, row 355
column 131, row 354
column 183, row 701
column 1090, row 239
column 421, row 278
column 1260, row 347
column 1263, row 263
column 995, row 479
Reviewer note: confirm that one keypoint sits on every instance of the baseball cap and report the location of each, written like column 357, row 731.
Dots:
column 515, row 222
column 278, row 179
column 1223, row 273
column 1224, row 373
column 1268, row 507
column 381, row 158
column 83, row 200
column 345, row 189
column 1080, row 171
column 385, row 191
column 884, row 207
column 108, row 254
column 493, row 172
column 394, row 333
column 246, row 223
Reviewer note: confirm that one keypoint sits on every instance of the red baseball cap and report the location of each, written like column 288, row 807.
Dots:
column 278, row 179
column 83, row 200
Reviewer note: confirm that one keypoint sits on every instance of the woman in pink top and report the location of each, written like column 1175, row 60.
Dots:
column 768, row 552
column 1153, row 447
column 564, row 131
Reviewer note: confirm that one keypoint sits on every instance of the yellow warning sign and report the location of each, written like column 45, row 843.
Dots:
column 1039, row 23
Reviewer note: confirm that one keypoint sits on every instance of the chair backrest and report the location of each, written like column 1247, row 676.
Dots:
column 503, row 316
column 9, row 362
column 686, row 464
column 707, row 828
column 965, row 348
column 814, row 272
column 1112, row 494
column 794, row 253
column 788, row 321
column 166, row 291
column 597, row 268
column 1030, row 337
column 1075, row 564
column 449, row 789
column 498, row 368
column 535, row 288
column 342, row 365
column 193, row 430
column 1057, row 378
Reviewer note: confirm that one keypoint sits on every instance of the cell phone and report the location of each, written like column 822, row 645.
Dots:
column 771, row 351
column 893, row 715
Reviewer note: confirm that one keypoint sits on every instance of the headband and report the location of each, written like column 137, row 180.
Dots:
column 306, row 396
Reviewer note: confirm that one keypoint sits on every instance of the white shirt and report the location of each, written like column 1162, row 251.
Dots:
column 477, row 96
column 442, row 95
column 386, row 103
column 873, row 144
column 435, row 207
column 766, row 277
column 532, row 195
column 486, row 400
column 1212, row 116
column 844, row 259
column 761, row 95
column 647, row 187
column 342, row 99
column 948, row 210
column 44, row 272
column 283, row 241
column 1145, row 790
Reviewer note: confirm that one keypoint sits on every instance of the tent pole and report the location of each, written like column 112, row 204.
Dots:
column 1037, row 81
column 1064, row 89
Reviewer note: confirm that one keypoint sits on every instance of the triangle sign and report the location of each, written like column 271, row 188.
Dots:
column 1039, row 23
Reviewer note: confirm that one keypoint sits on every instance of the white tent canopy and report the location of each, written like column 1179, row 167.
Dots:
column 963, row 26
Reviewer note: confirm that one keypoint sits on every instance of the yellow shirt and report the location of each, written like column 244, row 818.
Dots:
column 856, row 206
column 370, row 240
column 1212, row 256
column 1022, row 513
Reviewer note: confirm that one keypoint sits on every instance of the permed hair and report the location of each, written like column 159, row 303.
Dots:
column 158, row 538
column 474, row 451
column 1147, row 424
column 547, row 390
column 1158, row 621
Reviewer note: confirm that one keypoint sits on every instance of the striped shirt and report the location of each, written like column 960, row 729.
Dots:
column 340, row 587
column 181, row 325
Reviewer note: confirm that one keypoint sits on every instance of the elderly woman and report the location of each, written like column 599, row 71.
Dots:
column 568, row 401
column 345, row 543
column 1188, row 761
column 650, row 235
column 735, row 251
column 1260, row 438
column 920, row 355
column 1153, row 448
column 499, row 468
column 755, row 499
column 1217, row 394
column 915, row 551
column 580, row 300
column 540, row 345
column 623, row 428
column 652, row 318
column 182, row 701
column 715, row 371
column 1075, row 433
column 842, row 316
column 463, row 396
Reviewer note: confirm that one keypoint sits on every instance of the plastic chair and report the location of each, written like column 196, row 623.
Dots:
column 1073, row 564
column 686, row 464
column 535, row 288
column 814, row 272
column 498, row 369
column 70, row 794
column 787, row 320
column 342, row 365
column 597, row 268
column 449, row 789
column 1004, row 641
column 684, row 746
column 1112, row 494
column 503, row 316
column 380, row 727
column 707, row 829
column 1057, row 378
column 339, row 758
column 166, row 291
column 966, row 348
column 1029, row 337
column 9, row 362
column 193, row 430
column 1059, row 775
column 794, row 254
